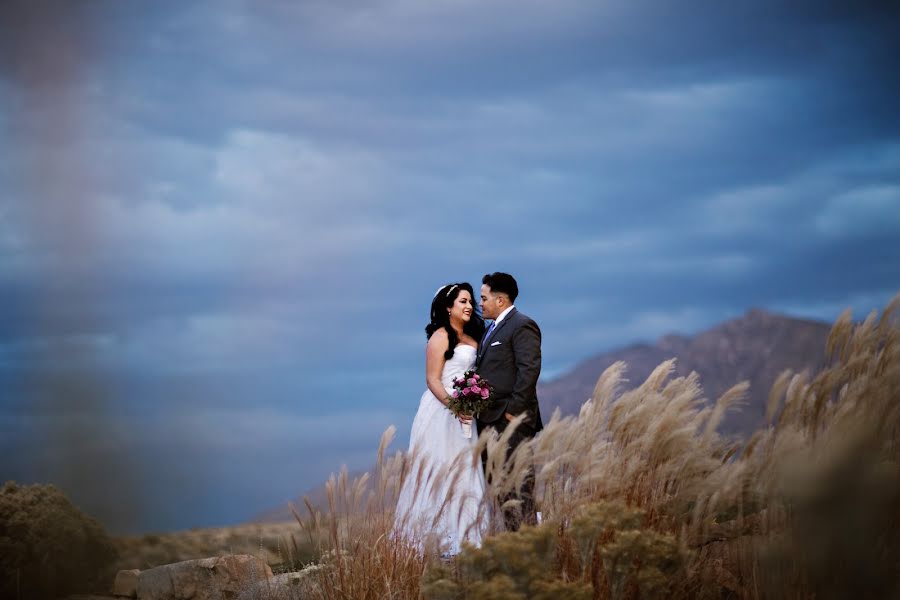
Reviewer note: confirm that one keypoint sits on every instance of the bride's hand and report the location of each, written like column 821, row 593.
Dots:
column 464, row 418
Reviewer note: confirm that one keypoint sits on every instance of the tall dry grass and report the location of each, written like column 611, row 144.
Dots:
column 641, row 497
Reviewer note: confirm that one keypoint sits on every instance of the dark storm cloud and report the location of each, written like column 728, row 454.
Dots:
column 277, row 192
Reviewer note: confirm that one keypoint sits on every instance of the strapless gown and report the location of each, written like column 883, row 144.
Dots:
column 443, row 459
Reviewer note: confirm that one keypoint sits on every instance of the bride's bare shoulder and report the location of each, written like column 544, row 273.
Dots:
column 439, row 338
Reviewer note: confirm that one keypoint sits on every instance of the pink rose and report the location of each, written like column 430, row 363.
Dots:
column 466, row 392
column 476, row 389
column 485, row 393
column 471, row 382
column 476, row 376
column 455, row 394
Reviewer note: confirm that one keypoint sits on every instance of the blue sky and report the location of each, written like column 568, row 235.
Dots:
column 221, row 225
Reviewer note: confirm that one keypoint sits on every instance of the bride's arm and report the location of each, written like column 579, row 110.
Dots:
column 434, row 363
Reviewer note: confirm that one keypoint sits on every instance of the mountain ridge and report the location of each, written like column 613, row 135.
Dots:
column 755, row 347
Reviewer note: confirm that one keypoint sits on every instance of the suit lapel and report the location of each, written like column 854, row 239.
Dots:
column 487, row 342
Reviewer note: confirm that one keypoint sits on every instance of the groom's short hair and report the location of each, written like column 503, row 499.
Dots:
column 502, row 283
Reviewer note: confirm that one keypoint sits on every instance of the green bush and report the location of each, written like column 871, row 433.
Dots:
column 605, row 551
column 49, row 548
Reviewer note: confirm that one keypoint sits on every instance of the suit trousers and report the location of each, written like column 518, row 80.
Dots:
column 525, row 513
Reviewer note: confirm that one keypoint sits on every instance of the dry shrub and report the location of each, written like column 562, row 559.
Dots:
column 642, row 497
column 606, row 551
column 506, row 566
column 49, row 548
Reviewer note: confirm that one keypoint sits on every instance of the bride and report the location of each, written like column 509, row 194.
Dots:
column 442, row 494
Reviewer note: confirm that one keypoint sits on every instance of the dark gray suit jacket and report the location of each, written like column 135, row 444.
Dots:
column 510, row 359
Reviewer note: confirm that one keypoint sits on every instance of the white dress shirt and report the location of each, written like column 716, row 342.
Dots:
column 502, row 315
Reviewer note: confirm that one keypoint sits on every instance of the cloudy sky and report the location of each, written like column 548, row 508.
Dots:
column 221, row 223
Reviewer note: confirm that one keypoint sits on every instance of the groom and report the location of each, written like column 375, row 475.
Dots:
column 509, row 357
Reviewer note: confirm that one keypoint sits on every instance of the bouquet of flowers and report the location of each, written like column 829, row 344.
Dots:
column 471, row 395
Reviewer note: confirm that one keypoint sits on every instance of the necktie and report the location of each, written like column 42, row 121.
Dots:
column 488, row 332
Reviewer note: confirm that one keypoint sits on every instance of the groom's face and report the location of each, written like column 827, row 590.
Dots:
column 491, row 304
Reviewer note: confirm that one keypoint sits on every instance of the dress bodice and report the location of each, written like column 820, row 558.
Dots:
column 462, row 360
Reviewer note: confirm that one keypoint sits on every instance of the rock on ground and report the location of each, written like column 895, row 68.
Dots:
column 286, row 586
column 125, row 583
column 204, row 579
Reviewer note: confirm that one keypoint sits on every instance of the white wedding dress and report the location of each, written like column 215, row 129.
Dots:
column 443, row 461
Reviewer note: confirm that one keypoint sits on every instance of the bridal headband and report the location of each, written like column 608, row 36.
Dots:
column 452, row 287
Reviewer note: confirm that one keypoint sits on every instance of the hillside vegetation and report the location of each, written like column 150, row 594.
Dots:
column 48, row 547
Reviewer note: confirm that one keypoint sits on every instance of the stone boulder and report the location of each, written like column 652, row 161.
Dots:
column 125, row 584
column 204, row 579
column 285, row 586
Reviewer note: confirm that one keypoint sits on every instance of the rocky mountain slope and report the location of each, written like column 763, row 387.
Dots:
column 755, row 347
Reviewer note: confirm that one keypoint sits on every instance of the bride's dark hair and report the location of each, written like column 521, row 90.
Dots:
column 444, row 299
